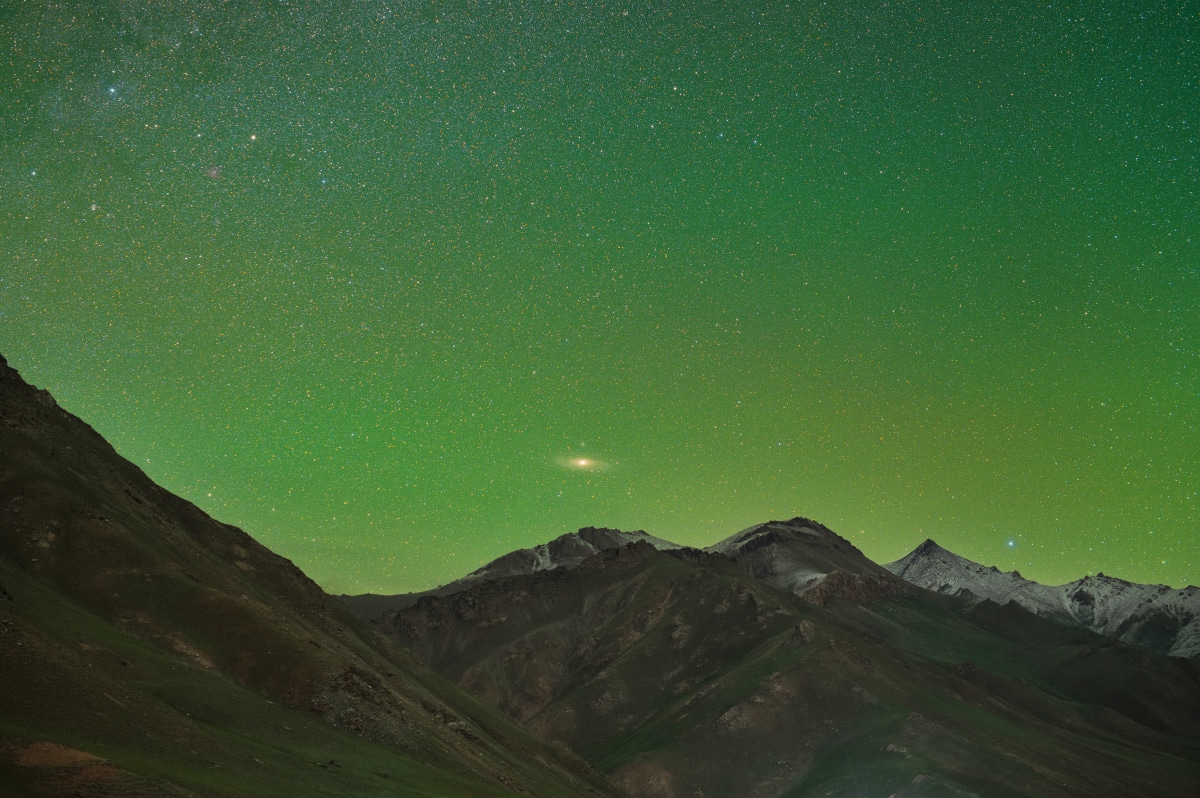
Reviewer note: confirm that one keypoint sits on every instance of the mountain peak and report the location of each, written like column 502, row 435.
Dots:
column 565, row 551
column 1155, row 616
column 930, row 546
column 795, row 554
column 924, row 558
column 754, row 537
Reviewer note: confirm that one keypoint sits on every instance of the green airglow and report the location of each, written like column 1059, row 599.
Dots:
column 363, row 278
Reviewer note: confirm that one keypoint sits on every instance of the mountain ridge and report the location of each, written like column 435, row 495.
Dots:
column 797, row 555
column 676, row 670
column 1159, row 617
column 147, row 649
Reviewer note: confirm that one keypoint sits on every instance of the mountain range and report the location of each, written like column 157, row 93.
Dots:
column 783, row 662
column 147, row 649
column 1155, row 616
column 799, row 554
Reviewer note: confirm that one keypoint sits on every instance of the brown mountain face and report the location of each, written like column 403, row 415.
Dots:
column 565, row 551
column 148, row 650
column 680, row 673
column 797, row 555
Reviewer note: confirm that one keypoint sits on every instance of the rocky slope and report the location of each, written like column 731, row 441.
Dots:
column 1155, row 616
column 565, row 551
column 797, row 555
column 679, row 672
column 147, row 649
column 800, row 555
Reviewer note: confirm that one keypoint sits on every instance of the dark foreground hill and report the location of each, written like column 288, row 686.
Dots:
column 148, row 650
column 782, row 662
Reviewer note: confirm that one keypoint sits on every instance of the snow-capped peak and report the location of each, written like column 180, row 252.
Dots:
column 1155, row 616
column 745, row 539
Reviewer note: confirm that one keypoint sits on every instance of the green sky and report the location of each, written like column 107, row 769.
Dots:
column 370, row 279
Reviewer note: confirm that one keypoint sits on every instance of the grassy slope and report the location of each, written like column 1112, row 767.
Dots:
column 135, row 628
column 76, row 680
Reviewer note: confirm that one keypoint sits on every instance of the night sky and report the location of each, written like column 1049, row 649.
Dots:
column 399, row 287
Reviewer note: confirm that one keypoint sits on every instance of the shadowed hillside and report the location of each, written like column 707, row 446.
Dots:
column 679, row 673
column 148, row 650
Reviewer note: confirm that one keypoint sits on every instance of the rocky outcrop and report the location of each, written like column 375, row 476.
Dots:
column 858, row 588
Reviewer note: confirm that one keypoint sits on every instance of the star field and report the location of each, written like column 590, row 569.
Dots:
column 399, row 287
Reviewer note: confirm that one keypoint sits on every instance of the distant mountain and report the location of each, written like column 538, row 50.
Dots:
column 148, row 650
column 565, row 551
column 798, row 556
column 782, row 662
column 1155, row 616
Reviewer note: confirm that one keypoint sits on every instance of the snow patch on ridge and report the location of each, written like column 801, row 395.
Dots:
column 541, row 558
column 739, row 540
column 1155, row 616
column 566, row 551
